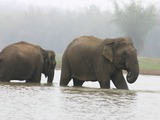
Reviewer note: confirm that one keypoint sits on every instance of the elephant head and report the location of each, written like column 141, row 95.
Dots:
column 49, row 65
column 123, row 55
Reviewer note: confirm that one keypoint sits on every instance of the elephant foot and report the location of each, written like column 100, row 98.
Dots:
column 77, row 82
column 105, row 85
column 64, row 81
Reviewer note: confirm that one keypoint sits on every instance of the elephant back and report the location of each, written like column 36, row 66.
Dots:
column 21, row 50
column 80, row 53
column 84, row 44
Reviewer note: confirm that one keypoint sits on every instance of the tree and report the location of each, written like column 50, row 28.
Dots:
column 135, row 21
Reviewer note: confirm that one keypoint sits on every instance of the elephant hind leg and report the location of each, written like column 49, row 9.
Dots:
column 4, row 78
column 65, row 71
column 77, row 82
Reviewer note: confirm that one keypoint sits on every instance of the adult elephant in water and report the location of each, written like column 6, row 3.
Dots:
column 25, row 61
column 88, row 58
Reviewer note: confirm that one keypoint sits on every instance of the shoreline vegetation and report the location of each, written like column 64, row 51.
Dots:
column 147, row 65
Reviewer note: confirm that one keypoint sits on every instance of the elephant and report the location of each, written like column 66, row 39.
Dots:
column 88, row 58
column 26, row 61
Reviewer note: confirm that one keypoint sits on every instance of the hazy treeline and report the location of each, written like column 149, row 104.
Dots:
column 56, row 28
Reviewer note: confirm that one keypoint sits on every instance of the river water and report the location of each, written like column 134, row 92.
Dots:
column 23, row 101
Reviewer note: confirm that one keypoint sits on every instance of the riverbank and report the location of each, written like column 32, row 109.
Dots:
column 150, row 72
column 148, row 66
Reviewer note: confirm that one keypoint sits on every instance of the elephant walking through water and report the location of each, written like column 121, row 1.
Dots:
column 25, row 61
column 88, row 58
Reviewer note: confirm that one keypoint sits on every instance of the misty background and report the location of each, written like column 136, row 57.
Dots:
column 54, row 28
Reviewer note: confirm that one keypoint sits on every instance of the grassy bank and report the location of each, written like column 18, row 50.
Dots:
column 59, row 61
column 150, row 66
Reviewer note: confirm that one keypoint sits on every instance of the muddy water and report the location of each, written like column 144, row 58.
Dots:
column 50, row 102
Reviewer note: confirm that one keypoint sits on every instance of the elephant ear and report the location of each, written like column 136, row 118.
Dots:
column 46, row 65
column 108, row 52
column 50, row 59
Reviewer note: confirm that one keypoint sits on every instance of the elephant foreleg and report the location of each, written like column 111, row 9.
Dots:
column 104, row 82
column 119, row 81
column 37, row 78
column 37, row 74
column 77, row 82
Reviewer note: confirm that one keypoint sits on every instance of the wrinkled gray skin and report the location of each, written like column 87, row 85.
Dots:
column 88, row 58
column 25, row 61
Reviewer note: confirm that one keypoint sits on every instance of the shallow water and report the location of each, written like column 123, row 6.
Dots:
column 51, row 102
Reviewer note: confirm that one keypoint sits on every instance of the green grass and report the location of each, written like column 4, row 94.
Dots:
column 146, row 63
column 58, row 60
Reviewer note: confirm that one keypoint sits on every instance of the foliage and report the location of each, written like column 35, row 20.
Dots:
column 135, row 20
column 54, row 28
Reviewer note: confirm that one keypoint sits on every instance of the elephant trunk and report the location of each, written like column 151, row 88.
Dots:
column 50, row 77
column 133, row 70
column 132, row 75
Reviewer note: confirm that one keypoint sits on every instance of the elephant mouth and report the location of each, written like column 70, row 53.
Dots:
column 129, row 74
